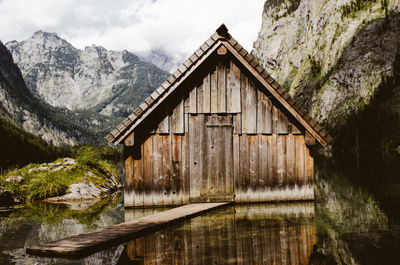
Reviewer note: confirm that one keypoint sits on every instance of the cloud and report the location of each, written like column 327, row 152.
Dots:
column 172, row 26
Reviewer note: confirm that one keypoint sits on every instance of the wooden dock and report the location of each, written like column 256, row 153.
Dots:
column 88, row 243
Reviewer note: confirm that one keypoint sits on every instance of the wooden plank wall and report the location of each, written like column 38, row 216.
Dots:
column 233, row 236
column 270, row 161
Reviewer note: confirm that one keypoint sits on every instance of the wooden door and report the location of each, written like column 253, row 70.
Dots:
column 212, row 151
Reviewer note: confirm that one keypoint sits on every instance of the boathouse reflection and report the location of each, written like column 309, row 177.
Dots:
column 239, row 234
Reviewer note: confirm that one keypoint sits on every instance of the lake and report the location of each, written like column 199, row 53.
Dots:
column 354, row 220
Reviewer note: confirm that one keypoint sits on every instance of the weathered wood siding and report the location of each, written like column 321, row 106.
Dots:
column 221, row 137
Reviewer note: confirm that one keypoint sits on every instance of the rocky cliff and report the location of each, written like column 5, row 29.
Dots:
column 332, row 54
column 17, row 104
column 341, row 58
column 109, row 82
column 55, row 125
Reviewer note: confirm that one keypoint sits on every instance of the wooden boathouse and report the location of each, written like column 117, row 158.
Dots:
column 220, row 128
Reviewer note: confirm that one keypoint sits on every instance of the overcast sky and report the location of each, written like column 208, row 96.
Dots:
column 174, row 26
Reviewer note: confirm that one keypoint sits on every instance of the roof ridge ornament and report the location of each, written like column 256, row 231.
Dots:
column 223, row 31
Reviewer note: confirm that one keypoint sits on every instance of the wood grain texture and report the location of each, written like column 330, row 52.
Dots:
column 167, row 169
column 177, row 119
column 233, row 89
column 158, row 176
column 195, row 124
column 253, row 168
column 148, row 171
column 207, row 94
column 193, row 101
column 221, row 87
column 214, row 91
column 177, row 177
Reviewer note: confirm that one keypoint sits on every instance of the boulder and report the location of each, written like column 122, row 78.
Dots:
column 16, row 179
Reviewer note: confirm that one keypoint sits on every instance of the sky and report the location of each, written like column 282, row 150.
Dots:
column 176, row 27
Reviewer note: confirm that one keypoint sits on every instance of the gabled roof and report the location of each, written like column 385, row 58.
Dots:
column 220, row 37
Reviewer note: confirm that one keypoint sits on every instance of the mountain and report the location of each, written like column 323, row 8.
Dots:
column 57, row 126
column 108, row 82
column 163, row 60
column 342, row 60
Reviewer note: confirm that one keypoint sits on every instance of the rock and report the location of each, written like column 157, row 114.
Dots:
column 64, row 76
column 331, row 60
column 7, row 198
column 69, row 162
column 16, row 179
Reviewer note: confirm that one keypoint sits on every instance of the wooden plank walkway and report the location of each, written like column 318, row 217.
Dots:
column 88, row 243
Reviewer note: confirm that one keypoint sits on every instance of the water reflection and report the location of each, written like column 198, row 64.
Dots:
column 355, row 217
column 241, row 234
column 43, row 222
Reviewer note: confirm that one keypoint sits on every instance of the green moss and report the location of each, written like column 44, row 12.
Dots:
column 355, row 6
column 41, row 183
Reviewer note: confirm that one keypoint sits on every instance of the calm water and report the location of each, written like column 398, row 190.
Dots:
column 355, row 220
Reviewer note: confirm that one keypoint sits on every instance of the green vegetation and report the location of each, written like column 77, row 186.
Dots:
column 53, row 179
column 19, row 147
column 358, row 5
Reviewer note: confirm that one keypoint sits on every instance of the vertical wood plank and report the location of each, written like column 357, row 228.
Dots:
column 148, row 171
column 309, row 167
column 243, row 91
column 221, row 83
column 237, row 123
column 244, row 166
column 167, row 169
column 268, row 117
column 193, row 101
column 177, row 119
column 185, row 168
column 236, row 167
column 195, row 122
column 281, row 145
column 138, row 177
column 263, row 166
column 274, row 160
column 290, row 159
column 208, row 162
column 207, row 94
column 264, row 106
column 253, row 168
column 128, row 179
column 233, row 89
column 261, row 106
column 300, row 159
column 163, row 126
column 282, row 123
column 251, row 108
column 200, row 97
column 275, row 119
column 177, row 178
column 214, row 92
column 158, row 170
column 227, row 138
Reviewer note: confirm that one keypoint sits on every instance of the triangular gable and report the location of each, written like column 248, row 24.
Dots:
column 220, row 38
